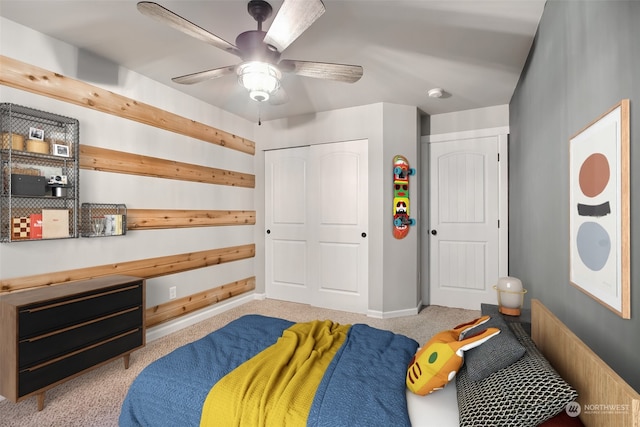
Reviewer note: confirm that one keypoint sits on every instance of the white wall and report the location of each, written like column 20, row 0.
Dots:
column 468, row 120
column 103, row 130
column 401, row 258
column 390, row 129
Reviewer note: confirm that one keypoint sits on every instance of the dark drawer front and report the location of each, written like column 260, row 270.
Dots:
column 30, row 381
column 32, row 352
column 39, row 319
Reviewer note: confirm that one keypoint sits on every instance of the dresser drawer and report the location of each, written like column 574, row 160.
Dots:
column 50, row 346
column 38, row 319
column 43, row 376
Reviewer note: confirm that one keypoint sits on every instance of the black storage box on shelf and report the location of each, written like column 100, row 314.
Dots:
column 28, row 185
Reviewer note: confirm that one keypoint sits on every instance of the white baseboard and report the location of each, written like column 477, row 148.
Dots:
column 167, row 328
column 396, row 313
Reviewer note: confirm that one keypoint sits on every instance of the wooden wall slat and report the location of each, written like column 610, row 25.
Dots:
column 103, row 159
column 17, row 74
column 144, row 268
column 179, row 307
column 37, row 80
column 148, row 219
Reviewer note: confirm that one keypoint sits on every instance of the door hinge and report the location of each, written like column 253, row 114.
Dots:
column 498, row 223
column 498, row 156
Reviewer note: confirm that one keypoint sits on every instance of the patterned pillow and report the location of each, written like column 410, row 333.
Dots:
column 495, row 354
column 525, row 393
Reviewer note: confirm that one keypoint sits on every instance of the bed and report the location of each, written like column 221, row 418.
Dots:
column 605, row 398
column 362, row 380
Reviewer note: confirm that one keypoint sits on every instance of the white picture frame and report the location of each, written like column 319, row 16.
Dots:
column 36, row 133
column 60, row 150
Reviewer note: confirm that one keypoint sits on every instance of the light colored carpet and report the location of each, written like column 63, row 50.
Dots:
column 94, row 399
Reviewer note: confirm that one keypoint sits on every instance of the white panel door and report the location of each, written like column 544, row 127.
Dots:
column 316, row 215
column 338, row 211
column 464, row 234
column 286, row 244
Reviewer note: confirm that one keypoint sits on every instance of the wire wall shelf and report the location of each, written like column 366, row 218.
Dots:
column 39, row 178
column 103, row 220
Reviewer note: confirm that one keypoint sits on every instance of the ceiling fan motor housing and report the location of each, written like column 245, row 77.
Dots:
column 253, row 48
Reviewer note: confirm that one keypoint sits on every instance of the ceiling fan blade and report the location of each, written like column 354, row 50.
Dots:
column 293, row 18
column 159, row 13
column 201, row 76
column 322, row 70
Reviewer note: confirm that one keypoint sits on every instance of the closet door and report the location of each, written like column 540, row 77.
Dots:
column 316, row 215
column 287, row 227
column 338, row 214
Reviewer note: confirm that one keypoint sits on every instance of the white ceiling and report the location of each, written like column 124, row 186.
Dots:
column 473, row 49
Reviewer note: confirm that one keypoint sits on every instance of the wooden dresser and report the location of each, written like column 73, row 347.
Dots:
column 50, row 335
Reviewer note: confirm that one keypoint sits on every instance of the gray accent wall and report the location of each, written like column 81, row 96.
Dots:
column 584, row 60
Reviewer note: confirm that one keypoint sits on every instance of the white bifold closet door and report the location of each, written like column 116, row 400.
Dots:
column 316, row 218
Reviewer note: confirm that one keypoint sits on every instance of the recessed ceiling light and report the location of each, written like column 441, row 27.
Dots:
column 435, row 92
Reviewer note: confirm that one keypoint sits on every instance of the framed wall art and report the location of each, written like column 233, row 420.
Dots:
column 599, row 210
column 36, row 133
column 60, row 150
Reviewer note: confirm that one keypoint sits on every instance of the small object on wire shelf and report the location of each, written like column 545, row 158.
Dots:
column 103, row 220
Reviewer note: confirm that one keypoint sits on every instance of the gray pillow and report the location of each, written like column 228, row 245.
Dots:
column 495, row 354
column 526, row 393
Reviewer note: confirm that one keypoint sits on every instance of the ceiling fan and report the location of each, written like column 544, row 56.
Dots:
column 261, row 68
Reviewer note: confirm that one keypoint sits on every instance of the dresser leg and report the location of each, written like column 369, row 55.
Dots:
column 40, row 398
column 125, row 358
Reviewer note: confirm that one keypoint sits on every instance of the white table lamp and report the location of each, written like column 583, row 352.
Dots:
column 510, row 295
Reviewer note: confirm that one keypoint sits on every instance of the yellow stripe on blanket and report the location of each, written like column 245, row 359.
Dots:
column 277, row 386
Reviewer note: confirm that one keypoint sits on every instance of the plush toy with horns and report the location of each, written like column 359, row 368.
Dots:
column 437, row 363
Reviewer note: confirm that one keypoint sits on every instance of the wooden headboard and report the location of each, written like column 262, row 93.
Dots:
column 605, row 398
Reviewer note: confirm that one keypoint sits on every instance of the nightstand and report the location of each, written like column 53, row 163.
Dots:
column 524, row 319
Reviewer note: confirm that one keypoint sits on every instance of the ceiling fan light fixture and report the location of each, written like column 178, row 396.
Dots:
column 261, row 79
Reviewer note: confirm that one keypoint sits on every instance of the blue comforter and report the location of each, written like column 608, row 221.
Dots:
column 363, row 386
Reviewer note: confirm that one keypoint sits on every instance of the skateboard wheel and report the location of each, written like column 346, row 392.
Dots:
column 412, row 171
column 412, row 221
column 397, row 170
column 397, row 222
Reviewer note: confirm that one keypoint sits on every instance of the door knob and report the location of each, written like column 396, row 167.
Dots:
column 434, row 232
column 268, row 231
column 364, row 234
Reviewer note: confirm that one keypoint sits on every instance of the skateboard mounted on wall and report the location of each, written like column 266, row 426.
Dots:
column 401, row 212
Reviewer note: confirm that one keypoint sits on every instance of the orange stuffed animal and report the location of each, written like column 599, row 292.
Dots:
column 437, row 363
